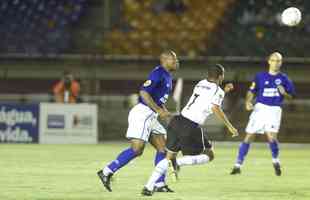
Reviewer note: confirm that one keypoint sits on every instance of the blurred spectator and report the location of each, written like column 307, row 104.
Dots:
column 159, row 6
column 176, row 6
column 67, row 89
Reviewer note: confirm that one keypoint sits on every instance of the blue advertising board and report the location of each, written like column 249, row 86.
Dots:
column 19, row 123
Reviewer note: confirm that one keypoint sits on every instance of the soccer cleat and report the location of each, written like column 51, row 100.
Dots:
column 174, row 169
column 277, row 169
column 164, row 188
column 106, row 180
column 146, row 192
column 235, row 170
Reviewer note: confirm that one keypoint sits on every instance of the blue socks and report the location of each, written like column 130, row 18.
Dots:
column 274, row 149
column 243, row 151
column 244, row 148
column 159, row 156
column 122, row 159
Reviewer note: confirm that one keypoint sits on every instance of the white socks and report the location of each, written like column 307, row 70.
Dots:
column 275, row 160
column 107, row 171
column 237, row 165
column 162, row 166
column 193, row 160
column 160, row 169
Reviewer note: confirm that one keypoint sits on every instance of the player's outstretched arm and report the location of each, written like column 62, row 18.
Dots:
column 221, row 115
column 163, row 113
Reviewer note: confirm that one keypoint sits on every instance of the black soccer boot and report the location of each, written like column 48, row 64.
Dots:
column 164, row 188
column 106, row 180
column 235, row 170
column 146, row 192
column 277, row 169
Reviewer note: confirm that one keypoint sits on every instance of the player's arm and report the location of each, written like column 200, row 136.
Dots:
column 284, row 93
column 57, row 90
column 163, row 113
column 248, row 100
column 251, row 93
column 287, row 89
column 217, row 110
column 164, row 107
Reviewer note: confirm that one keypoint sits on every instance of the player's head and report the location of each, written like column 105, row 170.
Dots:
column 169, row 60
column 67, row 78
column 216, row 73
column 67, row 74
column 275, row 61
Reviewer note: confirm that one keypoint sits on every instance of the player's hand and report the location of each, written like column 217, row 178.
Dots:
column 249, row 106
column 281, row 89
column 233, row 131
column 164, row 115
column 228, row 87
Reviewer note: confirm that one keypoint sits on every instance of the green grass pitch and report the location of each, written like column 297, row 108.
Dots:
column 68, row 172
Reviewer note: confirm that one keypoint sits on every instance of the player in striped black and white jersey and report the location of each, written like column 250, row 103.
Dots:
column 270, row 88
column 184, row 132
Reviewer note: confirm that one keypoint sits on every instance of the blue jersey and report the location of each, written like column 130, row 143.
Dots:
column 158, row 85
column 265, row 85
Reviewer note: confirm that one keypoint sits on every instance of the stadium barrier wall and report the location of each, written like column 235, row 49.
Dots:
column 68, row 123
column 19, row 123
column 48, row 123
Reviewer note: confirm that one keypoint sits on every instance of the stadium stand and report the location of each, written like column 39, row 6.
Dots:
column 207, row 28
column 204, row 28
column 150, row 26
column 254, row 28
column 38, row 25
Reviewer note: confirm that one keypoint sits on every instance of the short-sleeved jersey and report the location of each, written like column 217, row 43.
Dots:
column 205, row 95
column 264, row 86
column 158, row 85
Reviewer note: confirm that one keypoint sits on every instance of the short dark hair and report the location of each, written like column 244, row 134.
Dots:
column 67, row 72
column 215, row 71
column 167, row 53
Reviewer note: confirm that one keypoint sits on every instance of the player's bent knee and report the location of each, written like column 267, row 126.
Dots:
column 138, row 151
column 138, row 147
column 249, row 138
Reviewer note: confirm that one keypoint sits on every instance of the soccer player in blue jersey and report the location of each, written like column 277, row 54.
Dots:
column 143, row 125
column 270, row 89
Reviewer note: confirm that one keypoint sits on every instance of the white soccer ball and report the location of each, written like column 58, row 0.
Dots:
column 291, row 16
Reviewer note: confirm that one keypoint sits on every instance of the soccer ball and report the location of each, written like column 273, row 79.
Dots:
column 291, row 16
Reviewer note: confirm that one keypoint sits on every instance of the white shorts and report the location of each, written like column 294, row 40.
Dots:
column 142, row 121
column 264, row 119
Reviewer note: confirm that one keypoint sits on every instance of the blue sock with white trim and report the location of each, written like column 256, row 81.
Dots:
column 243, row 151
column 274, row 147
column 122, row 159
column 160, row 156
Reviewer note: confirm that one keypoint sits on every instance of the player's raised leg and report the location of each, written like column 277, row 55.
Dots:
column 200, row 159
column 243, row 151
column 274, row 148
